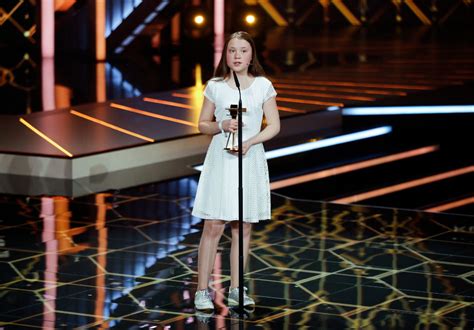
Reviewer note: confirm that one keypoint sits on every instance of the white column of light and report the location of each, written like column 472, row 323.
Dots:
column 47, row 54
column 219, row 12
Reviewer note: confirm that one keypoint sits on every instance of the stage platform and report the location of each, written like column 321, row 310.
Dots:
column 128, row 142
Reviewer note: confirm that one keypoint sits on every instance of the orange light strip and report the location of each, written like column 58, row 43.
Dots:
column 173, row 104
column 345, row 83
column 114, row 127
column 351, row 167
column 291, row 110
column 44, row 136
column 452, row 205
column 151, row 114
column 338, row 89
column 188, row 96
column 292, row 100
column 339, row 96
column 405, row 185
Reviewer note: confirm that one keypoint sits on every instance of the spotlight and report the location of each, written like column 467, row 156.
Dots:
column 199, row 19
column 250, row 19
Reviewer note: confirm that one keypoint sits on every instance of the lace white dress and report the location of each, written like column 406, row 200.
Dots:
column 217, row 192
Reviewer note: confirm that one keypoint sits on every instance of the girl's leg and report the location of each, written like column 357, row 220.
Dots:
column 210, row 237
column 234, row 251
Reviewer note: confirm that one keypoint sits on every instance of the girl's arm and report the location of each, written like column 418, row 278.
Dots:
column 207, row 125
column 273, row 125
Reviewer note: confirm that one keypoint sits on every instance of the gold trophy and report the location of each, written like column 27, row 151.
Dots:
column 232, row 140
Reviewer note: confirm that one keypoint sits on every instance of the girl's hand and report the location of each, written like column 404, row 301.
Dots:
column 230, row 125
column 245, row 147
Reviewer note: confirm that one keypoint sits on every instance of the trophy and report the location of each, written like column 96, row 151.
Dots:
column 232, row 140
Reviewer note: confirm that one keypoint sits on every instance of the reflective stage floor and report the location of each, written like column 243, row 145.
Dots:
column 127, row 260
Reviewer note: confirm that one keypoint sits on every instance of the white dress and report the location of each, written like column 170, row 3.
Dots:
column 217, row 192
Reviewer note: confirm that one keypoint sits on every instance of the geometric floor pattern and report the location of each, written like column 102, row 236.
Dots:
column 127, row 260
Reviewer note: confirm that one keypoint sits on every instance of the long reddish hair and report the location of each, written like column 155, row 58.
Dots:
column 255, row 69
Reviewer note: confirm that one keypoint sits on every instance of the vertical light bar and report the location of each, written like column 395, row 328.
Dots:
column 47, row 84
column 100, row 30
column 100, row 82
column 47, row 28
column 175, row 29
column 218, row 30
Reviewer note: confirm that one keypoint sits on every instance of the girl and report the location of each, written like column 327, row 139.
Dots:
column 217, row 194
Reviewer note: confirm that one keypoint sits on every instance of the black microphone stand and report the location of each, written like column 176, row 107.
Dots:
column 241, row 207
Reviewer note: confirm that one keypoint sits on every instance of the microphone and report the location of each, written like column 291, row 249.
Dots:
column 237, row 83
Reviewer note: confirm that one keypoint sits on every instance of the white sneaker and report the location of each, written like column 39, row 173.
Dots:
column 202, row 300
column 233, row 298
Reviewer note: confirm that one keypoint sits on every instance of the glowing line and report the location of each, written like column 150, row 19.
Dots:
column 151, row 114
column 277, row 153
column 328, row 142
column 173, row 104
column 345, row 83
column 351, row 167
column 292, row 100
column 412, row 110
column 187, row 96
column 337, row 89
column 344, row 97
column 114, row 127
column 403, row 186
column 452, row 205
column 44, row 136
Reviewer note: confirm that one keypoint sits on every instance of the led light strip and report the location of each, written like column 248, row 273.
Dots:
column 328, row 95
column 164, row 102
column 114, row 127
column 187, row 96
column 328, row 142
column 354, row 84
column 351, row 167
column 277, row 153
column 452, row 205
column 151, row 114
column 403, row 186
column 293, row 100
column 280, row 86
column 413, row 110
column 44, row 136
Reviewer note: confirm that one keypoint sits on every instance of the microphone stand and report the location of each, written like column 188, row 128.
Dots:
column 241, row 208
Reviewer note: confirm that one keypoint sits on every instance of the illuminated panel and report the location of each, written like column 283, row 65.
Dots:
column 415, row 110
column 151, row 114
column 403, row 186
column 114, row 127
column 339, row 96
column 45, row 137
column 452, row 205
column 328, row 142
column 291, row 150
column 338, row 89
column 164, row 102
column 292, row 100
column 189, row 96
column 354, row 84
column 351, row 167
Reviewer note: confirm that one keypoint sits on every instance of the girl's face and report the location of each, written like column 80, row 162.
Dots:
column 239, row 55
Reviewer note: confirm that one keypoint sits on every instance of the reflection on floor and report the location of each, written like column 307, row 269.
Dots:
column 128, row 260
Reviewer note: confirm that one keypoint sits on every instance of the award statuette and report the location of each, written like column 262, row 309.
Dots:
column 231, row 144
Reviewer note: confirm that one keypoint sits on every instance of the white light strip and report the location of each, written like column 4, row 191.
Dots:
column 291, row 150
column 414, row 110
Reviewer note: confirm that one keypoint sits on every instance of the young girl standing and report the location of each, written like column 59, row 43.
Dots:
column 217, row 194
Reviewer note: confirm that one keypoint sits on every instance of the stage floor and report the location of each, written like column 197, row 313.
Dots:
column 128, row 261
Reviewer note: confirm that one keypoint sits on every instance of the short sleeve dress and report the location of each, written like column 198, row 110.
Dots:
column 217, row 192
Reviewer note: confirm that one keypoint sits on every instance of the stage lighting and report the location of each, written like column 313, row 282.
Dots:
column 250, row 19
column 199, row 19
